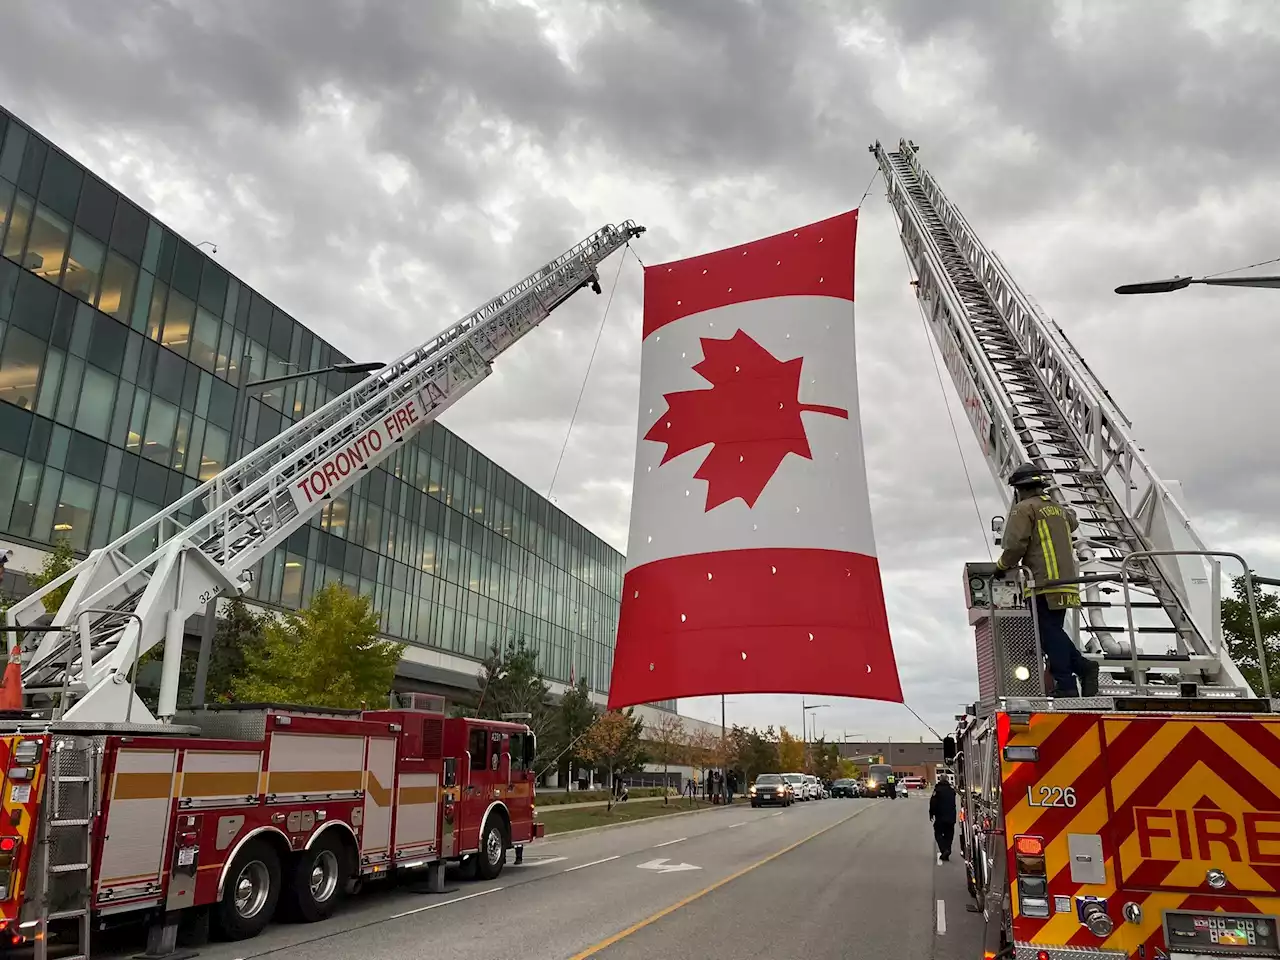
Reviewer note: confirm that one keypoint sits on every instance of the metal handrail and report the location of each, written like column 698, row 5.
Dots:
column 1208, row 554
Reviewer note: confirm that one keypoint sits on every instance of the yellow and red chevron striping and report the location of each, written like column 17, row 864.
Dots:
column 1207, row 789
column 19, row 801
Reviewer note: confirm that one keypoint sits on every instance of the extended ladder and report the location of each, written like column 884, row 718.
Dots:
column 1030, row 397
column 140, row 589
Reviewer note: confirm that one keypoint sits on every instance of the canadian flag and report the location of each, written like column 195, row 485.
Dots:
column 751, row 564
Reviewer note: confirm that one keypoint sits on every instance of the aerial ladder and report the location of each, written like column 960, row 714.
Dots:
column 1150, row 608
column 139, row 590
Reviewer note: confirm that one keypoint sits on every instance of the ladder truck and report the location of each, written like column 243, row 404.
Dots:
column 1142, row 822
column 222, row 814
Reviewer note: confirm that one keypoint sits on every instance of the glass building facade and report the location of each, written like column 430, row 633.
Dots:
column 122, row 348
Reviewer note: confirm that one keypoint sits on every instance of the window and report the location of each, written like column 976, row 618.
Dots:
column 6, row 198
column 20, row 368
column 186, row 270
column 19, row 224
column 97, row 208
column 118, row 282
column 108, row 343
column 162, row 421
column 84, row 267
column 72, row 516
column 204, row 345
column 47, row 247
column 178, row 318
column 171, row 370
column 96, row 394
column 129, row 235
column 516, row 749
column 214, row 456
column 15, row 146
column 10, row 469
column 478, row 745
column 60, row 187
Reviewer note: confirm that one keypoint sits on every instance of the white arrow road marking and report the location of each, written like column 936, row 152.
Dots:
column 591, row 864
column 665, row 866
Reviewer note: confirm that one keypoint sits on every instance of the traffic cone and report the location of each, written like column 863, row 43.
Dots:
column 11, row 684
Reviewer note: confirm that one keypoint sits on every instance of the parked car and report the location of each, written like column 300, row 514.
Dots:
column 799, row 785
column 770, row 788
column 844, row 788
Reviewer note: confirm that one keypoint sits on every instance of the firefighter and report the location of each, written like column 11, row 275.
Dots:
column 942, row 811
column 1038, row 536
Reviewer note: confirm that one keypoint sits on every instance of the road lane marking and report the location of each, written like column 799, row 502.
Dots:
column 738, row 824
column 668, row 843
column 592, row 950
column 942, row 917
column 531, row 862
column 778, row 814
column 444, row 903
column 583, row 866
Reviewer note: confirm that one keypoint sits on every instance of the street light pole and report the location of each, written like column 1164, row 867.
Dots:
column 208, row 627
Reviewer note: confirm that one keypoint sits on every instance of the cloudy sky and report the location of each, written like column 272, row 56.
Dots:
column 378, row 167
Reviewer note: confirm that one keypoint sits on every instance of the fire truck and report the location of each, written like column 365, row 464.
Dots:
column 220, row 817
column 1142, row 822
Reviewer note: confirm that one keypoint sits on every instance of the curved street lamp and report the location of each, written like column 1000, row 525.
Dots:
column 1181, row 283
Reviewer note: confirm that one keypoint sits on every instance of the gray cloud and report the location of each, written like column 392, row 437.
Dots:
column 378, row 170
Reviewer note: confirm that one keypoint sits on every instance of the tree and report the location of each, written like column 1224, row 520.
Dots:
column 704, row 748
column 1237, row 631
column 823, row 759
column 753, row 752
column 56, row 563
column 847, row 769
column 790, row 752
column 613, row 742
column 670, row 744
column 572, row 719
column 326, row 655
column 512, row 682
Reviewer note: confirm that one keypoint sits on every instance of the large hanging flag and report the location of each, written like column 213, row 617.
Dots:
column 751, row 565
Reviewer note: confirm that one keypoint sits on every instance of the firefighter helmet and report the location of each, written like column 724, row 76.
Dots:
column 1028, row 476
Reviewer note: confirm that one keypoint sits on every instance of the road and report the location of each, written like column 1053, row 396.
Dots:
column 824, row 880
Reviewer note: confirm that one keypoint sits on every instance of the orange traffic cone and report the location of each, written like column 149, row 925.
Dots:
column 11, row 684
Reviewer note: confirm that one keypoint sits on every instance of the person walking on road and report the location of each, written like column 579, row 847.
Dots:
column 942, row 811
column 730, row 785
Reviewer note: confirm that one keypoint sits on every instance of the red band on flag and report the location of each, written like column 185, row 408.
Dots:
column 746, row 621
column 814, row 260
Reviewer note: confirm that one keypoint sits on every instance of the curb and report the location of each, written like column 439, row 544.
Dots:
column 580, row 831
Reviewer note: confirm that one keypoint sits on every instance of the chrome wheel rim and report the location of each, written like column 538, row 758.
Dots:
column 493, row 847
column 324, row 876
column 252, row 886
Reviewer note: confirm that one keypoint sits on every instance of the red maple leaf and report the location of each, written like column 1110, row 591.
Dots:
column 751, row 415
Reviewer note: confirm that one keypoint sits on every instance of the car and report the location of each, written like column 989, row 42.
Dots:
column 799, row 786
column 770, row 788
column 843, row 788
column 814, row 785
column 912, row 784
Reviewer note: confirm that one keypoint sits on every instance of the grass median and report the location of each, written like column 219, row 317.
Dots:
column 565, row 818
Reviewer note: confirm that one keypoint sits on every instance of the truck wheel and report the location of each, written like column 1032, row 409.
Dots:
column 493, row 851
column 250, row 894
column 318, row 881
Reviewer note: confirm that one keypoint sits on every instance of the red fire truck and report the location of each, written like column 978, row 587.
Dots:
column 234, row 814
column 228, row 814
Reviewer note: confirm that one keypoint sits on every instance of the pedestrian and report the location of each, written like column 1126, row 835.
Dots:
column 942, row 811
column 1037, row 535
column 731, row 784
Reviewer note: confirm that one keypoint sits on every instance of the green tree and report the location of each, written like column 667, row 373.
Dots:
column 326, row 655
column 573, row 718
column 613, row 742
column 1237, row 631
column 61, row 559
column 754, row 752
column 823, row 759
column 790, row 752
column 512, row 682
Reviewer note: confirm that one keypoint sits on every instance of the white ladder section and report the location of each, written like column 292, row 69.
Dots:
column 1029, row 396
column 140, row 589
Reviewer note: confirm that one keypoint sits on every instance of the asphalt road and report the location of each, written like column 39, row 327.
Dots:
column 825, row 880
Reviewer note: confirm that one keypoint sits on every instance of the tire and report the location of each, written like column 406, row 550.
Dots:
column 317, row 881
column 493, row 850
column 250, row 894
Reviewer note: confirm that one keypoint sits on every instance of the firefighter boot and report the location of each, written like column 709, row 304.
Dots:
column 1089, row 680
